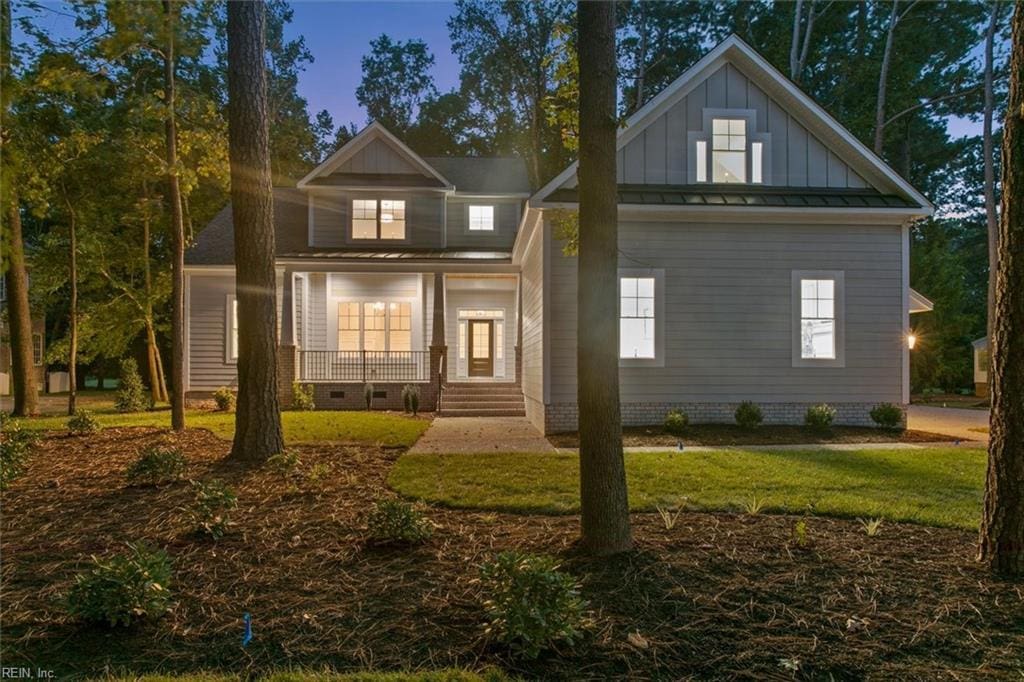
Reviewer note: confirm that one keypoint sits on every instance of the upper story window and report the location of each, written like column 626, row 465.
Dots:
column 729, row 150
column 378, row 219
column 481, row 218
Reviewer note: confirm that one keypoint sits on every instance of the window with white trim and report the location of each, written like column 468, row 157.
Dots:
column 374, row 326
column 231, row 329
column 818, row 319
column 37, row 348
column 729, row 150
column 636, row 317
column 382, row 219
column 481, row 218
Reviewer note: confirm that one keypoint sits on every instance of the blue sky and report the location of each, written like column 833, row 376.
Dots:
column 338, row 33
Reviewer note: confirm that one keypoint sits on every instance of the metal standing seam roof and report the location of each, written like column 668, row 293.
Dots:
column 721, row 195
column 419, row 255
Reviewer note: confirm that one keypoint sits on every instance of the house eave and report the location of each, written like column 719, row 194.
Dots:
column 772, row 214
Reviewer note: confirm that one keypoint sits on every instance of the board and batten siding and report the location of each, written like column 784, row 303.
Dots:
column 330, row 216
column 532, row 282
column 728, row 317
column 379, row 157
column 660, row 153
column 506, row 222
column 208, row 367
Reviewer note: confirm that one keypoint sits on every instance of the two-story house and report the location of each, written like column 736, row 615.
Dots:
column 764, row 257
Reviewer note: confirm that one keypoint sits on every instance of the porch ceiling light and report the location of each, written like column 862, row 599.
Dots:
column 379, row 305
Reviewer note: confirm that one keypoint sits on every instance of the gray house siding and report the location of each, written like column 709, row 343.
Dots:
column 728, row 321
column 532, row 279
column 378, row 157
column 331, row 216
column 659, row 154
column 506, row 221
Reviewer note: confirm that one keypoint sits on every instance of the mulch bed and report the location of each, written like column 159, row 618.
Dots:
column 730, row 434
column 718, row 596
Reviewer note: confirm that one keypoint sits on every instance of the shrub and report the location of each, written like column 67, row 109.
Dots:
column 15, row 446
column 284, row 463
column 887, row 416
column 368, row 396
column 530, row 604
column 397, row 522
column 676, row 422
column 212, row 507
column 125, row 587
column 225, row 399
column 411, row 398
column 819, row 417
column 83, row 422
column 131, row 394
column 157, row 465
column 302, row 397
column 748, row 415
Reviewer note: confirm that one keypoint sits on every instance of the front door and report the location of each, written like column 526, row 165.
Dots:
column 481, row 348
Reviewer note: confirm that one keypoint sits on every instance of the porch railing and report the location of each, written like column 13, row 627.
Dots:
column 364, row 365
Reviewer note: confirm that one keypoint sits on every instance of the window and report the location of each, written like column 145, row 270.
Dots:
column 373, row 219
column 729, row 150
column 37, row 348
column 481, row 218
column 636, row 317
column 231, row 329
column 756, row 154
column 818, row 318
column 374, row 326
column 702, row 161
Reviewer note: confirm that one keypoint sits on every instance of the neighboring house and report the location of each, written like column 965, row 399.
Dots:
column 764, row 257
column 38, row 346
column 981, row 367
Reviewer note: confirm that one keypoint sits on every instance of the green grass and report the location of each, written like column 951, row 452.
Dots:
column 445, row 675
column 934, row 486
column 299, row 427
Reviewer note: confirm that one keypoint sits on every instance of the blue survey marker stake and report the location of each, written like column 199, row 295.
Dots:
column 247, row 636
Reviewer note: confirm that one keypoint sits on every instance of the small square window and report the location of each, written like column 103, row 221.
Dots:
column 481, row 218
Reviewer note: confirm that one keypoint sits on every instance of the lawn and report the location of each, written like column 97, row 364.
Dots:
column 936, row 486
column 321, row 426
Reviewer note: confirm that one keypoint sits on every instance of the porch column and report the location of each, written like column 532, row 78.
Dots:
column 438, row 349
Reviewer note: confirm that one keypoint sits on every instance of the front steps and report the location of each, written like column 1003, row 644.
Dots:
column 469, row 399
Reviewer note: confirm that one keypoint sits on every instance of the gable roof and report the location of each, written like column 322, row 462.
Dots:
column 372, row 132
column 735, row 51
column 484, row 175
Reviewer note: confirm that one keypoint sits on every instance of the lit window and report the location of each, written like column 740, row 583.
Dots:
column 372, row 219
column 374, row 328
column 636, row 317
column 729, row 150
column 37, row 348
column 756, row 154
column 231, row 323
column 481, row 218
column 400, row 326
column 348, row 326
column 818, row 319
column 702, row 161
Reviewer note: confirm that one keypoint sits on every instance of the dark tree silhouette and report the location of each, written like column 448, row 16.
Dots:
column 177, row 226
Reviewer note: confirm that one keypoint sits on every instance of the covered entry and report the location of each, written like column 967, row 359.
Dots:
column 481, row 311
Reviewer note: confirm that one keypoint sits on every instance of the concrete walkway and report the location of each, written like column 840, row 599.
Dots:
column 949, row 421
column 481, row 434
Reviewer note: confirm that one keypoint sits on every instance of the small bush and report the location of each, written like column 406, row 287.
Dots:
column 302, row 397
column 368, row 396
column 887, row 416
column 800, row 533
column 819, row 417
column 15, row 446
column 676, row 422
column 131, row 394
column 284, row 463
column 397, row 522
column 873, row 527
column 530, row 604
column 123, row 588
column 225, row 399
column 211, row 510
column 411, row 398
column 157, row 465
column 83, row 422
column 748, row 415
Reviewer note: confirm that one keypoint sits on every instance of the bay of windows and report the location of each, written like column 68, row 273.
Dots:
column 378, row 219
column 374, row 326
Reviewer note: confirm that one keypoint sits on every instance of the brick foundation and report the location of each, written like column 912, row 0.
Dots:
column 562, row 417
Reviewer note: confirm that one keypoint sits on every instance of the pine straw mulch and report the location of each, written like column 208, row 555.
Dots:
column 732, row 435
column 719, row 596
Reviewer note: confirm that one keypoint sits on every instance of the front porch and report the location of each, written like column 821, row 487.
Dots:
column 342, row 331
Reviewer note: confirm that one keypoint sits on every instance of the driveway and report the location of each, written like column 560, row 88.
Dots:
column 949, row 421
column 481, row 434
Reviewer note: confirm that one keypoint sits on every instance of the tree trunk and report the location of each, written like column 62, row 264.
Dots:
column 794, row 43
column 258, row 432
column 603, row 502
column 641, row 61
column 177, row 230
column 72, row 309
column 1002, row 523
column 883, row 78
column 23, row 377
column 990, row 175
column 157, row 385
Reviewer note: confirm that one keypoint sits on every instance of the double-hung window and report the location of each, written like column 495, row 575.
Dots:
column 818, row 323
column 378, row 219
column 729, row 150
column 641, row 321
column 481, row 218
column 37, row 348
column 231, row 329
column 374, row 326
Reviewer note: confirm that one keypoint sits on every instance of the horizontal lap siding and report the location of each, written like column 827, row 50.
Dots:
column 532, row 278
column 506, row 221
column 728, row 315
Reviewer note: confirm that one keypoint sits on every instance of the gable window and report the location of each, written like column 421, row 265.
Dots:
column 374, row 326
column 231, row 329
column 378, row 219
column 481, row 218
column 729, row 150
column 636, row 317
column 818, row 305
